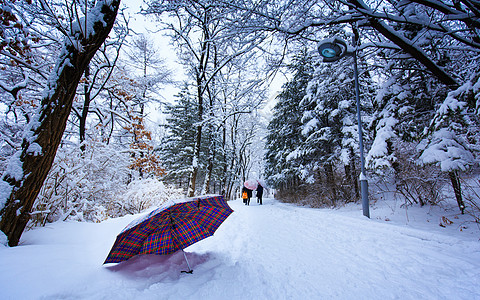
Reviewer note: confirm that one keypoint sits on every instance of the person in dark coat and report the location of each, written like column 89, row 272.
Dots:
column 249, row 195
column 259, row 194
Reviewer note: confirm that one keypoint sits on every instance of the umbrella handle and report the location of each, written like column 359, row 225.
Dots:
column 190, row 271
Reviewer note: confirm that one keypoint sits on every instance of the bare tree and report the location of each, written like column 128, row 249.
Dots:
column 97, row 74
column 201, row 28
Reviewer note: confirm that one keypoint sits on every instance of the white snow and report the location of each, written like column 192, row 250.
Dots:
column 14, row 167
column 34, row 149
column 5, row 191
column 448, row 151
column 86, row 23
column 3, row 239
column 273, row 251
column 15, row 171
column 310, row 126
column 378, row 157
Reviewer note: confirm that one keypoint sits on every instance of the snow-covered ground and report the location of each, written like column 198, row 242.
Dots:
column 274, row 251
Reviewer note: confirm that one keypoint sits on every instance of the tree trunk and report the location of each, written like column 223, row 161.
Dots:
column 331, row 182
column 195, row 161
column 86, row 107
column 225, row 163
column 350, row 172
column 457, row 189
column 200, row 78
column 208, row 174
column 44, row 133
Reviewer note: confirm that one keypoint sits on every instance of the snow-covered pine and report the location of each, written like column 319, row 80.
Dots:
column 381, row 155
column 452, row 139
column 282, row 166
column 176, row 149
column 331, row 145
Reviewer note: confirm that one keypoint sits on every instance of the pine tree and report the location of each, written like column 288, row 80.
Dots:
column 329, row 95
column 414, row 106
column 451, row 141
column 284, row 129
column 177, row 149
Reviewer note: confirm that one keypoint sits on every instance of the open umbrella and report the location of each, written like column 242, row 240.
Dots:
column 171, row 227
column 251, row 184
column 261, row 182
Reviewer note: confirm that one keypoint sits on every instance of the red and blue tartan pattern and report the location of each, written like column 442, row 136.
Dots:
column 170, row 228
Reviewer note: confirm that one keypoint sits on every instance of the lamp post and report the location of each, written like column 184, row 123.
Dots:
column 331, row 51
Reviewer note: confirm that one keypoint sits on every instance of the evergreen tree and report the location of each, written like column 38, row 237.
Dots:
column 284, row 130
column 331, row 148
column 414, row 106
column 451, row 141
column 329, row 106
column 177, row 149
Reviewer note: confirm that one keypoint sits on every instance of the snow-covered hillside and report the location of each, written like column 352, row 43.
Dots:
column 274, row 251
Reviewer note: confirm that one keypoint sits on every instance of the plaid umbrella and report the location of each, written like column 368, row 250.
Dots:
column 171, row 227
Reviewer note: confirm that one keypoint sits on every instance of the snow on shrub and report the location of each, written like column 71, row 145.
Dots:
column 95, row 185
column 144, row 193
column 81, row 185
column 448, row 150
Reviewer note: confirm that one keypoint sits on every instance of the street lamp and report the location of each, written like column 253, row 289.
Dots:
column 331, row 51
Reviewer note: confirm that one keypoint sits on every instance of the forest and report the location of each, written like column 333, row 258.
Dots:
column 78, row 86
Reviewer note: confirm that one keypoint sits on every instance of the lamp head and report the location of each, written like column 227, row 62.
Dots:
column 332, row 50
column 329, row 50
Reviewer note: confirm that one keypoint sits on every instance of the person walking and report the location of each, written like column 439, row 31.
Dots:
column 248, row 192
column 259, row 193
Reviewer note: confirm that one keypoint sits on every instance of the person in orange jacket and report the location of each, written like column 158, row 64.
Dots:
column 249, row 195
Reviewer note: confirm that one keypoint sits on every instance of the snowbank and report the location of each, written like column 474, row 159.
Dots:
column 273, row 251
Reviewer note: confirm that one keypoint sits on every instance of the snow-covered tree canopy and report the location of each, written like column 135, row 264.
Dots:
column 453, row 22
column 419, row 64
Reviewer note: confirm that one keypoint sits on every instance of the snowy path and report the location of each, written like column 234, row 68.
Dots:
column 303, row 253
column 274, row 251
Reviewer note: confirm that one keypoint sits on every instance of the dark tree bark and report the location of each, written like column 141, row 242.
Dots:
column 457, row 188
column 200, row 78
column 209, row 171
column 211, row 132
column 196, row 157
column 330, row 180
column 86, row 107
column 45, row 131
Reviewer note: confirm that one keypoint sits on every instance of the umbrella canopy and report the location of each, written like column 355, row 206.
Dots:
column 261, row 182
column 171, row 227
column 251, row 184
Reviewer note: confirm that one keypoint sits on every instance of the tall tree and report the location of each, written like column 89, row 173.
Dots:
column 329, row 124
column 195, row 20
column 451, row 140
column 29, row 167
column 149, row 68
column 96, row 76
column 206, row 46
column 410, row 98
column 285, row 137
column 177, row 147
